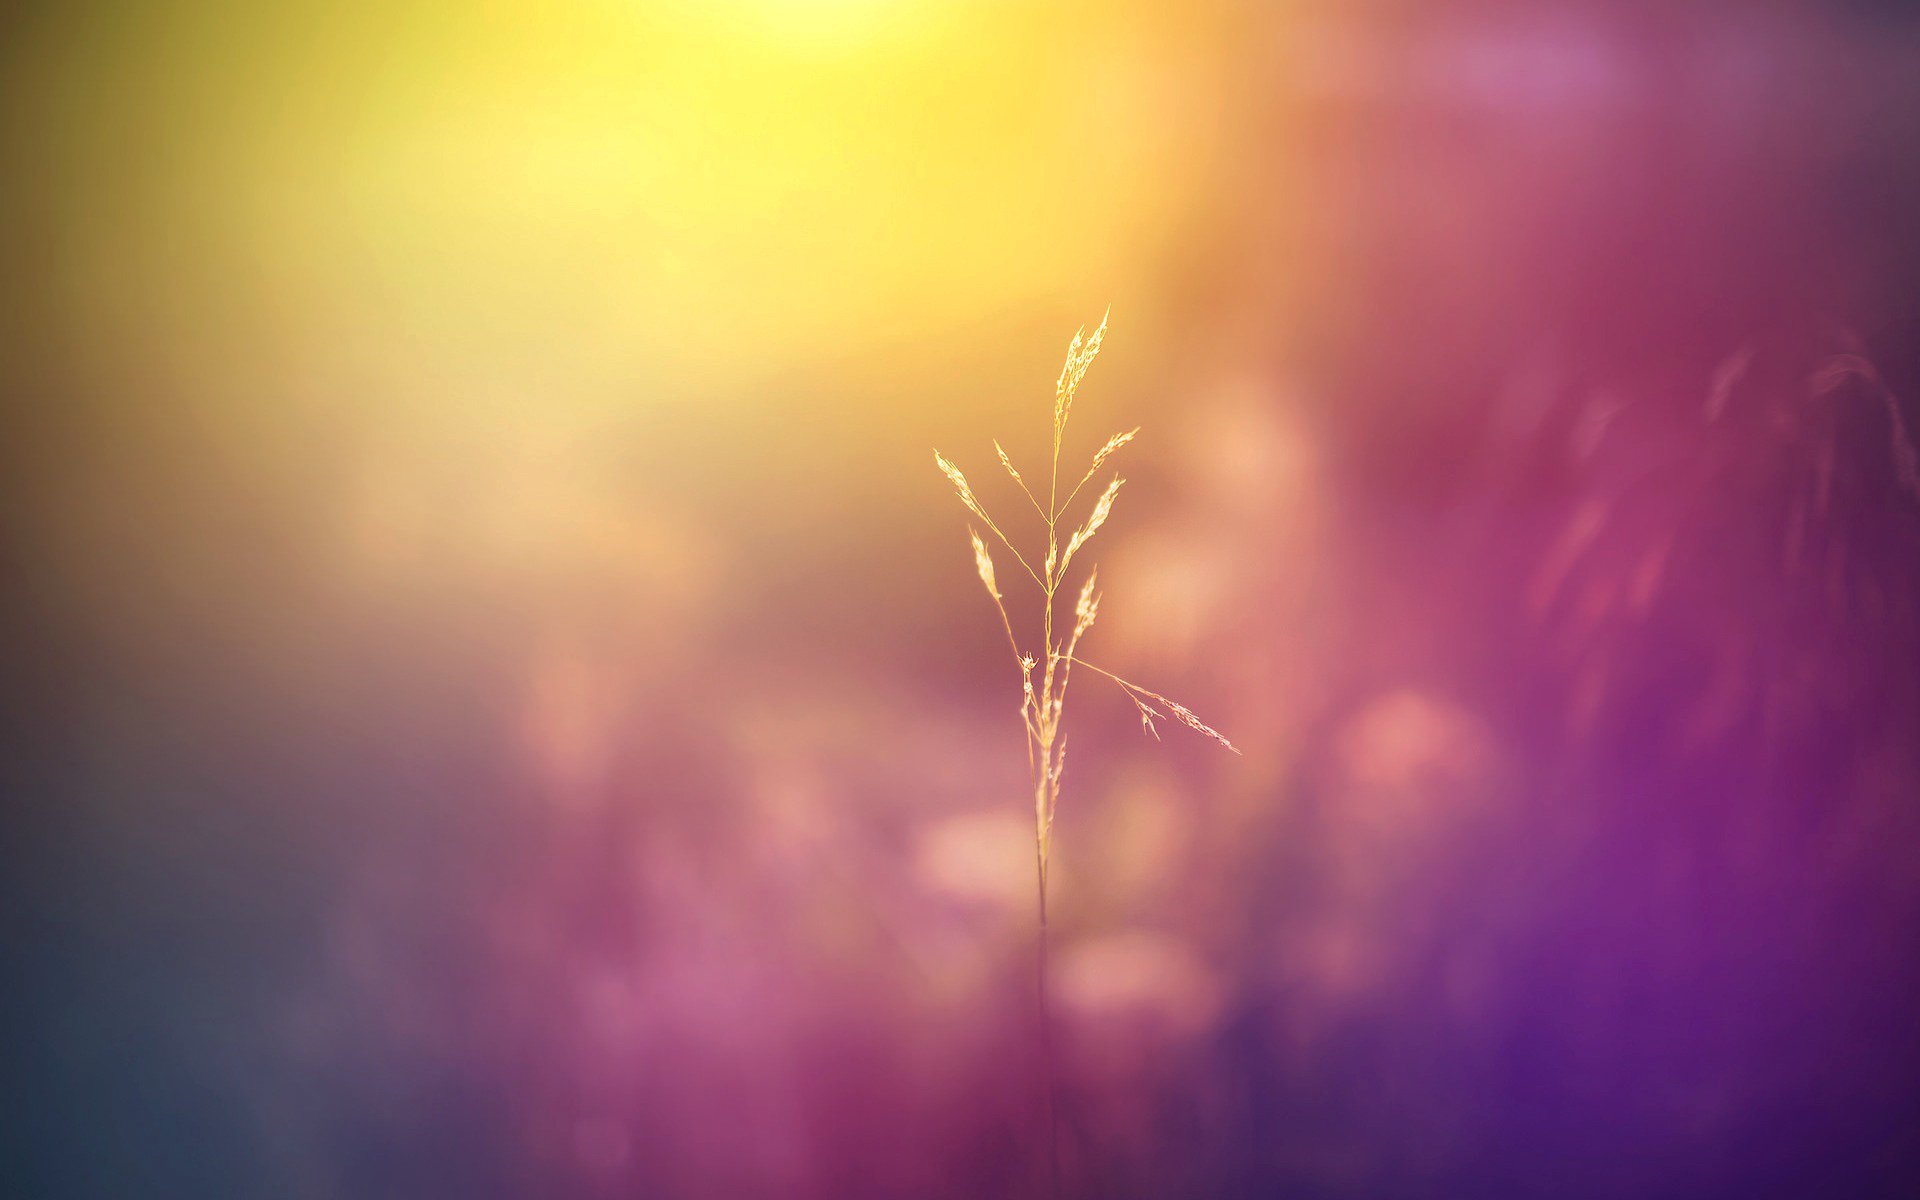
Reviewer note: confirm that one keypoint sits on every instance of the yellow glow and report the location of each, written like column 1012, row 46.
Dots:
column 622, row 204
column 818, row 24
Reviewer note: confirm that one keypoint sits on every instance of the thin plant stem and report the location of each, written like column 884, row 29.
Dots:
column 1046, row 1042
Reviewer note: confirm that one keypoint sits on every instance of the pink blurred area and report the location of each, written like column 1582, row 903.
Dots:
column 502, row 704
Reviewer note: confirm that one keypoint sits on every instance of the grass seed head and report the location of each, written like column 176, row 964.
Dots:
column 983, row 562
column 1185, row 716
column 959, row 482
column 1080, row 356
column 1102, row 508
column 1007, row 462
column 1087, row 607
column 1113, row 443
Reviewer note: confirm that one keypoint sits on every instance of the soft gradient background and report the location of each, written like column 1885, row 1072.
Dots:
column 498, row 704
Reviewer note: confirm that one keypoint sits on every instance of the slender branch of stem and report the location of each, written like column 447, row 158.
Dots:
column 1131, row 687
column 1032, row 501
column 1068, row 502
column 1011, row 548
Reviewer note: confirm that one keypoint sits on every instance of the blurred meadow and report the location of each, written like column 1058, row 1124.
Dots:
column 498, row 701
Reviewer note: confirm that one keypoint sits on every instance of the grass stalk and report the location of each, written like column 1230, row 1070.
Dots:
column 1043, row 709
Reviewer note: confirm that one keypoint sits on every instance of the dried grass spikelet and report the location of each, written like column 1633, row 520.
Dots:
column 1007, row 462
column 1080, row 355
column 983, row 562
column 1087, row 607
column 1105, row 452
column 1113, row 443
column 1185, row 716
column 959, row 482
column 1102, row 508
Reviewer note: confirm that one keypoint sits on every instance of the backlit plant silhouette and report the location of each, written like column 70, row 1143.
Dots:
column 1044, row 676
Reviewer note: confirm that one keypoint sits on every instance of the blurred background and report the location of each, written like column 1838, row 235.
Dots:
column 498, row 703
